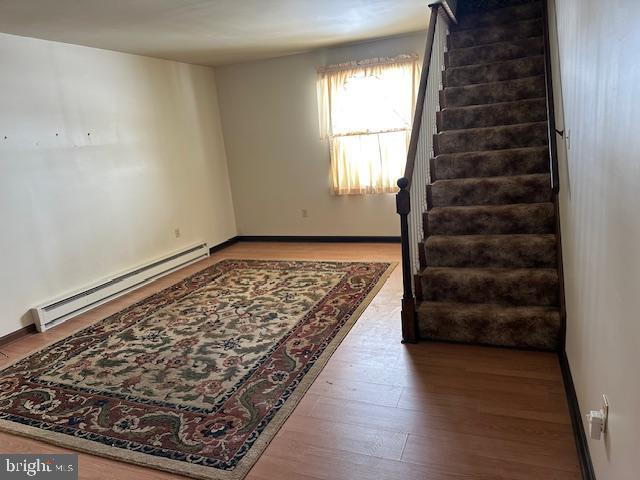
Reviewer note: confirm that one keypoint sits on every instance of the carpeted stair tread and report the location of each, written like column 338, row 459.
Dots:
column 511, row 286
column 492, row 163
column 468, row 7
column 493, row 72
column 490, row 219
column 494, row 92
column 502, row 325
column 501, row 190
column 504, row 251
column 497, row 33
column 494, row 52
column 493, row 114
column 500, row 16
column 491, row 138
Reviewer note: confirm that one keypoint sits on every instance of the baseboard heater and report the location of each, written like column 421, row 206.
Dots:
column 74, row 303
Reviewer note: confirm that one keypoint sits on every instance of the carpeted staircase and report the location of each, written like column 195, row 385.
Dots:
column 490, row 273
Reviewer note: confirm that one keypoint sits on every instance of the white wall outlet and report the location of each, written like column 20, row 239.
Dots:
column 305, row 213
column 567, row 138
column 176, row 232
column 597, row 420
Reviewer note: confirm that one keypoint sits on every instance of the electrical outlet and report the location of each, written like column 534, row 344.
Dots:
column 176, row 232
column 567, row 138
column 597, row 420
column 305, row 213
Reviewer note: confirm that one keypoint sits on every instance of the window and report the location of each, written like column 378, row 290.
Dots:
column 366, row 112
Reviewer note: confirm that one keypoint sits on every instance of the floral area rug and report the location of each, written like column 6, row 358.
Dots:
column 197, row 378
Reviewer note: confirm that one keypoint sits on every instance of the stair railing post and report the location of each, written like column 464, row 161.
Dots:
column 408, row 315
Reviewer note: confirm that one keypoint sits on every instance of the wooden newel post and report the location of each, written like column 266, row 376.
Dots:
column 403, row 207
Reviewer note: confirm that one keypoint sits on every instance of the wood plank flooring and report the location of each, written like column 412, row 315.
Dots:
column 382, row 410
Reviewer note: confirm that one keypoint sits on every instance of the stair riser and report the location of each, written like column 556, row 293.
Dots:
column 509, row 91
column 499, row 33
column 490, row 164
column 537, row 331
column 500, row 17
column 497, row 72
column 511, row 252
column 490, row 221
column 496, row 138
column 491, row 191
column 494, row 53
column 524, row 111
column 515, row 287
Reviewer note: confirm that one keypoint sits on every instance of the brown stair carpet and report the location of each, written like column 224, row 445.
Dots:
column 490, row 262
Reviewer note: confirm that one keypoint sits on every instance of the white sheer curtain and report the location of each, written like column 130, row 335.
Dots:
column 366, row 112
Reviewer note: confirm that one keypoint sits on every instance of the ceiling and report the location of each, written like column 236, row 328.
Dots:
column 211, row 32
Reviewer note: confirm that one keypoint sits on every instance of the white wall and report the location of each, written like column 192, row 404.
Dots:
column 277, row 162
column 76, row 207
column 599, row 69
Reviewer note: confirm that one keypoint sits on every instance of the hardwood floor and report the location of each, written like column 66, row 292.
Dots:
column 380, row 409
